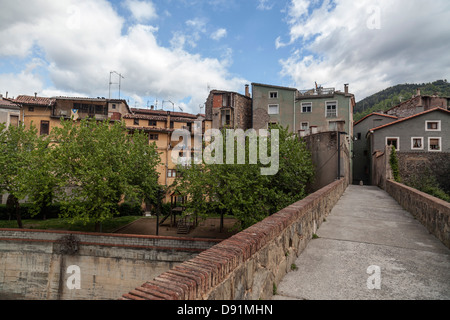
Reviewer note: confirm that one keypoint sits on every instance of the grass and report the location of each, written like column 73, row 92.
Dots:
column 64, row 224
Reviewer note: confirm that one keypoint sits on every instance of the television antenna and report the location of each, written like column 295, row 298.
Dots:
column 110, row 83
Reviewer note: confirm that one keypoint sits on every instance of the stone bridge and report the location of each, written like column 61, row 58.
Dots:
column 367, row 247
column 341, row 242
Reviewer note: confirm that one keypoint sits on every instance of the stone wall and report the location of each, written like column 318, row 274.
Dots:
column 432, row 212
column 414, row 165
column 33, row 264
column 249, row 264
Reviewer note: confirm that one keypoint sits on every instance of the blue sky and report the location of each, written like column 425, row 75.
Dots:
column 175, row 50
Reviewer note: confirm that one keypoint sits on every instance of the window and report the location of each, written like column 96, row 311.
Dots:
column 332, row 126
column 153, row 136
column 31, row 109
column 113, row 105
column 226, row 117
column 306, row 107
column 433, row 125
column 331, row 109
column 14, row 121
column 152, row 123
column 359, row 136
column 171, row 173
column 434, row 144
column 273, row 95
column 393, row 142
column 304, row 126
column 172, row 124
column 45, row 128
column 416, row 143
column 136, row 122
column 273, row 109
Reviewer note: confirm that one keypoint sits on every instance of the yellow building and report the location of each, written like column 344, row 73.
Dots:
column 160, row 125
column 46, row 114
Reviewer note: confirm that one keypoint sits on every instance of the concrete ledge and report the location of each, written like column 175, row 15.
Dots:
column 248, row 265
column 432, row 212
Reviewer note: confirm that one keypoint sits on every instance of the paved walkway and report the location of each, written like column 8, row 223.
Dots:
column 368, row 231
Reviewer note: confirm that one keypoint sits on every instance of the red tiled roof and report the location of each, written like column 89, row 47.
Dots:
column 410, row 117
column 375, row 114
column 32, row 100
column 163, row 113
column 8, row 103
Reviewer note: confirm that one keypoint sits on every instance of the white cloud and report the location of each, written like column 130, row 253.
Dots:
column 370, row 44
column 81, row 42
column 263, row 5
column 219, row 34
column 141, row 10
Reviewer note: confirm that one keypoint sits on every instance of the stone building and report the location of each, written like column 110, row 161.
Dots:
column 9, row 112
column 226, row 109
column 361, row 149
column 417, row 104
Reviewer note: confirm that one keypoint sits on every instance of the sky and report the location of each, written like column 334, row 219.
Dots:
column 171, row 53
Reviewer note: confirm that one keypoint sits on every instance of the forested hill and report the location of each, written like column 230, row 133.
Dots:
column 393, row 96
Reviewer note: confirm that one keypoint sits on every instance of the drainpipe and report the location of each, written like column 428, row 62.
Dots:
column 294, row 114
column 339, row 153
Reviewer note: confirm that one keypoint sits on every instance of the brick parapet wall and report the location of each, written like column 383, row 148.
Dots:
column 247, row 265
column 109, row 240
column 432, row 212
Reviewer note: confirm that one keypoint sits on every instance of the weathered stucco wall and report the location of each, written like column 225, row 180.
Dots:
column 249, row 264
column 34, row 264
column 432, row 212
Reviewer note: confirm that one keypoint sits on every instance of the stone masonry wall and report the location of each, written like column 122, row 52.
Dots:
column 432, row 212
column 33, row 264
column 249, row 264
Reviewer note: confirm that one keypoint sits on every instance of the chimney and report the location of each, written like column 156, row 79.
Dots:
column 35, row 96
column 247, row 91
column 6, row 94
column 152, row 107
column 346, row 88
column 418, row 92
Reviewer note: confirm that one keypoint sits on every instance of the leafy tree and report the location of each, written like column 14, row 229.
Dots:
column 98, row 164
column 241, row 190
column 16, row 149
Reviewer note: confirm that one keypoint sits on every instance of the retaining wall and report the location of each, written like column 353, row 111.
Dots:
column 34, row 264
column 432, row 212
column 248, row 265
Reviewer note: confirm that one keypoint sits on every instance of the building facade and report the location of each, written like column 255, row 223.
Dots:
column 428, row 131
column 417, row 104
column 9, row 112
column 303, row 112
column 361, row 148
column 226, row 109
column 160, row 126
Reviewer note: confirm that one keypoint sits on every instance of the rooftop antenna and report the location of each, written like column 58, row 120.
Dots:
column 110, row 83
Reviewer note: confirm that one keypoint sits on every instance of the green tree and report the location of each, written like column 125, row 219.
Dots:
column 98, row 164
column 17, row 145
column 241, row 190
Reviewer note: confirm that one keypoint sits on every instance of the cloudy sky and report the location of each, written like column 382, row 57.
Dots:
column 176, row 50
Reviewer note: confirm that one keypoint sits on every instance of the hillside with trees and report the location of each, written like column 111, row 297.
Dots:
column 393, row 96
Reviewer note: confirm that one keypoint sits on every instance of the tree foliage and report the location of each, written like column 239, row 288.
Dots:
column 89, row 167
column 241, row 190
column 97, row 164
column 390, row 97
